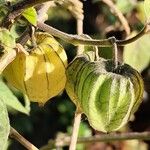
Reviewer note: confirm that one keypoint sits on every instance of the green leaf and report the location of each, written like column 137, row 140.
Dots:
column 147, row 9
column 4, row 125
column 31, row 15
column 7, row 41
column 11, row 100
column 137, row 53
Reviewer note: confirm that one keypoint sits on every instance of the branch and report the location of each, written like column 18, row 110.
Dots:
column 77, row 40
column 100, row 138
column 17, row 9
column 119, row 14
column 15, row 135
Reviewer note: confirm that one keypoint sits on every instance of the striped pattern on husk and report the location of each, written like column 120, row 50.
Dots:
column 41, row 74
column 105, row 94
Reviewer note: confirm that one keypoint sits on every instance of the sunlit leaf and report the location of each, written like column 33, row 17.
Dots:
column 10, row 99
column 137, row 53
column 7, row 41
column 4, row 125
column 31, row 15
column 147, row 9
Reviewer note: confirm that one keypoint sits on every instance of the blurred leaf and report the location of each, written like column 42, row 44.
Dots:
column 137, row 53
column 84, row 130
column 2, row 2
column 141, row 12
column 7, row 41
column 10, row 99
column 31, row 15
column 147, row 9
column 125, row 5
column 4, row 125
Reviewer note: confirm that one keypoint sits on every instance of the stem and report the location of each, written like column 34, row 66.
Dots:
column 76, row 125
column 76, row 40
column 145, row 30
column 121, row 17
column 80, row 32
column 15, row 135
column 115, row 54
column 77, row 117
column 101, row 138
column 73, row 39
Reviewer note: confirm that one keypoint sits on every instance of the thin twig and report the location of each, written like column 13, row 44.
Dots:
column 100, row 138
column 80, row 32
column 121, row 17
column 16, row 10
column 74, row 136
column 76, row 40
column 15, row 135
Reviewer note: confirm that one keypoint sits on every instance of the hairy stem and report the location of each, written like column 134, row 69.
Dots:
column 77, row 40
column 80, row 32
column 76, row 125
